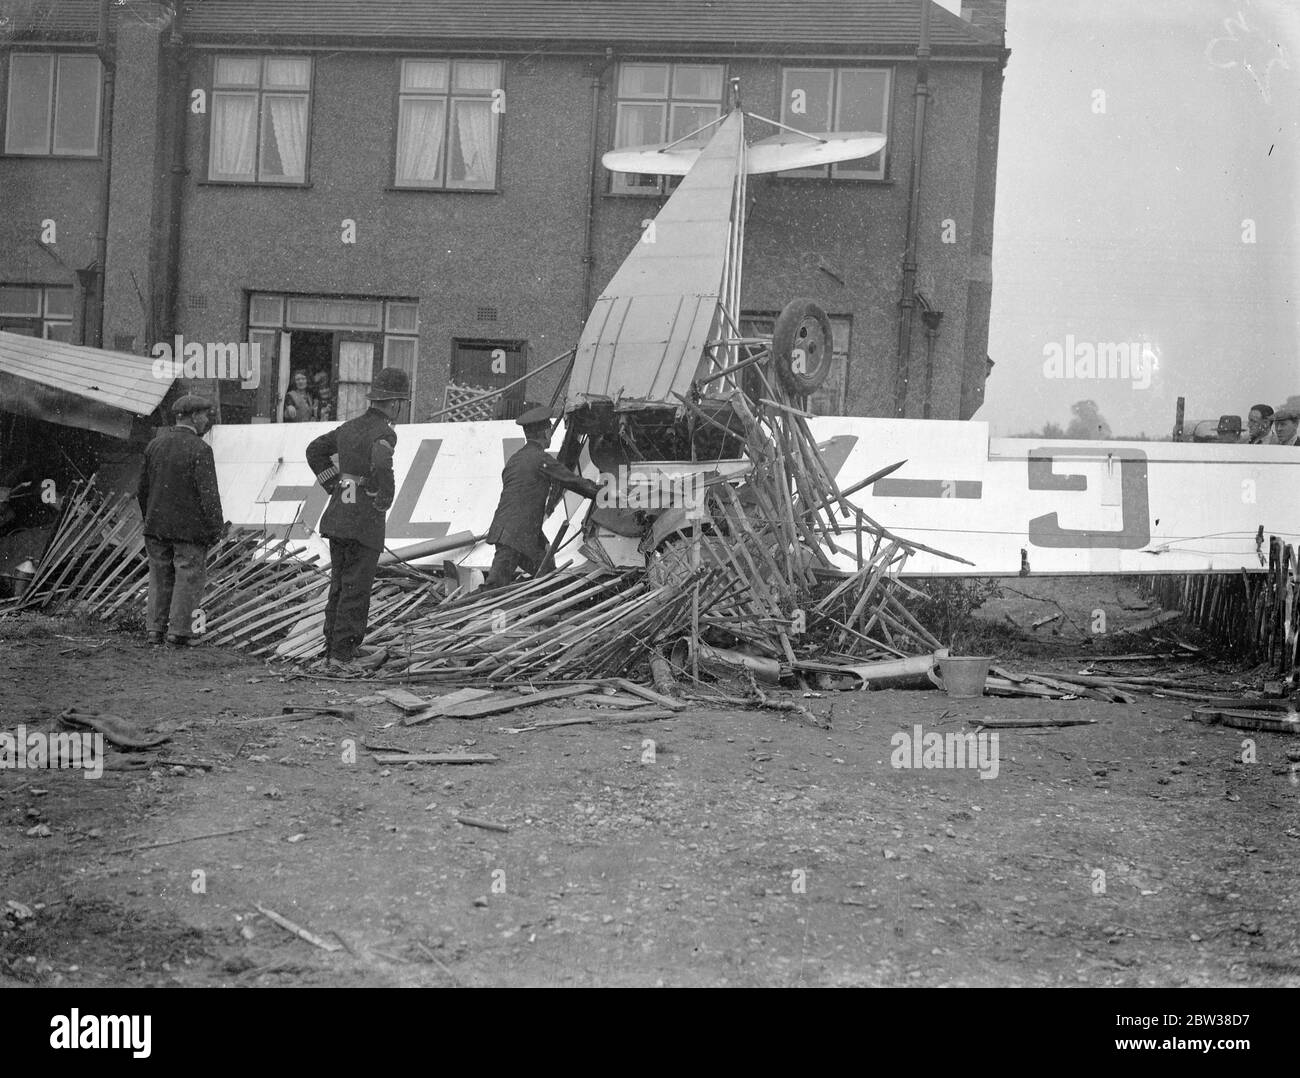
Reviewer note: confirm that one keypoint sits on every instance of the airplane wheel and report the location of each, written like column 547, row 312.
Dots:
column 802, row 347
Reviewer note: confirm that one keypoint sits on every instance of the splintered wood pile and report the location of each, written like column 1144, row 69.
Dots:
column 748, row 575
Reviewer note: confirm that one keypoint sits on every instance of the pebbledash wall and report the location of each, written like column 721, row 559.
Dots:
column 507, row 264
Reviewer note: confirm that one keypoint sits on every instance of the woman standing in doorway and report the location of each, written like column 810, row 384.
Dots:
column 298, row 405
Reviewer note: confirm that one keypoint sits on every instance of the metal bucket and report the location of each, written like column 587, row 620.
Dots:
column 963, row 676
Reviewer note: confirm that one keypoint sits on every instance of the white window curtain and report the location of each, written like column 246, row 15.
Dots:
column 234, row 136
column 284, row 138
column 476, row 141
column 420, row 126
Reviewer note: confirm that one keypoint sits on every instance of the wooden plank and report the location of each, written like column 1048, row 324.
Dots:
column 1020, row 724
column 437, row 708
column 630, row 719
column 474, row 709
column 434, row 758
column 649, row 694
column 402, row 698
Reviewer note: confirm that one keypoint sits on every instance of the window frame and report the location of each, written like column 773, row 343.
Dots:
column 618, row 183
column 842, row 171
column 262, row 92
column 52, row 123
column 449, row 96
column 41, row 321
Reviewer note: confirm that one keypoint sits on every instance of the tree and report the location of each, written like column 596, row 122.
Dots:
column 1088, row 423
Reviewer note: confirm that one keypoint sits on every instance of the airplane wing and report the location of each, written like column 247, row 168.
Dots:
column 779, row 153
column 655, row 159
column 787, row 150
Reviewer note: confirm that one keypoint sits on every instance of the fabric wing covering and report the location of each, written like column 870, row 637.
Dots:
column 77, row 386
column 646, row 334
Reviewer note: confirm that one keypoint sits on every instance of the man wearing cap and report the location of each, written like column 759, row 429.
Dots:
column 526, row 485
column 182, row 517
column 1286, row 425
column 360, row 486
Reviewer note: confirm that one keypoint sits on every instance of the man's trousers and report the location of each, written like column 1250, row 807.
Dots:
column 506, row 560
column 352, row 572
column 177, row 573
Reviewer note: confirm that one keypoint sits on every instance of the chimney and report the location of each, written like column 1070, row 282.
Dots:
column 987, row 15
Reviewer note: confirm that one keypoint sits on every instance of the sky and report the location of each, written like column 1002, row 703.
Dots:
column 1146, row 195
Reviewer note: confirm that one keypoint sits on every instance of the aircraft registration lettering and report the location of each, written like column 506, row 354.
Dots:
column 1135, row 510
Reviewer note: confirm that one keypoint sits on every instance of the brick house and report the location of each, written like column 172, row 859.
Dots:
column 417, row 182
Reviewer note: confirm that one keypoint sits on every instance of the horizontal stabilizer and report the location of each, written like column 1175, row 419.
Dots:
column 787, row 150
column 779, row 153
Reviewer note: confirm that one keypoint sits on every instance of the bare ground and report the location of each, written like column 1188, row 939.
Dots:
column 753, row 849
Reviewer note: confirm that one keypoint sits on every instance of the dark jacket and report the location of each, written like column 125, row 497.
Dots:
column 178, row 489
column 358, row 504
column 525, row 487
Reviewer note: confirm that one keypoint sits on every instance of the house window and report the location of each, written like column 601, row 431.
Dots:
column 448, row 115
column 35, row 311
column 53, row 105
column 820, row 99
column 831, row 397
column 661, row 103
column 259, row 119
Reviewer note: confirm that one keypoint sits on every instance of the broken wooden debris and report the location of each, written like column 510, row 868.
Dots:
column 486, row 825
column 627, row 718
column 178, row 841
column 1244, row 719
column 404, row 700
column 439, row 706
column 435, row 758
column 1010, row 723
column 298, row 930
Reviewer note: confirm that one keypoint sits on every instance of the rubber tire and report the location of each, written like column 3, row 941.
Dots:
column 802, row 324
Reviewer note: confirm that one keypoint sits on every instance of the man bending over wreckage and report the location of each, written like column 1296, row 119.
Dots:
column 516, row 529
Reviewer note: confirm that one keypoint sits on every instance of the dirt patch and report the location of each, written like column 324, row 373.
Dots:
column 716, row 847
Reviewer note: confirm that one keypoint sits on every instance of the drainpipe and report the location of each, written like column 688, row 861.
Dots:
column 908, row 301
column 931, row 319
column 101, row 238
column 176, row 193
column 593, row 157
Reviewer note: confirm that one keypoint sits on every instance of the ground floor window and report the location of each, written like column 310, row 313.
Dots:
column 831, row 398
column 37, row 311
column 320, row 353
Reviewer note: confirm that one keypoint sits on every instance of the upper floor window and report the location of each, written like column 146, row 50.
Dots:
column 36, row 311
column 53, row 104
column 660, row 103
column 818, row 99
column 259, row 119
column 448, row 114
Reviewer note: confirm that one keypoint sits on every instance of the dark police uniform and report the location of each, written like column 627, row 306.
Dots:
column 516, row 529
column 361, row 491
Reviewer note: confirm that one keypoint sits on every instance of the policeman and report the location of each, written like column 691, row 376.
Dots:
column 526, row 483
column 360, row 486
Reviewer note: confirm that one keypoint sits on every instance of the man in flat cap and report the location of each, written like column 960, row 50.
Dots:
column 182, row 517
column 359, row 479
column 1286, row 425
column 526, row 485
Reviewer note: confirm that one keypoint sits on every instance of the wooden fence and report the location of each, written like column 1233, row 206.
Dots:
column 1251, row 615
